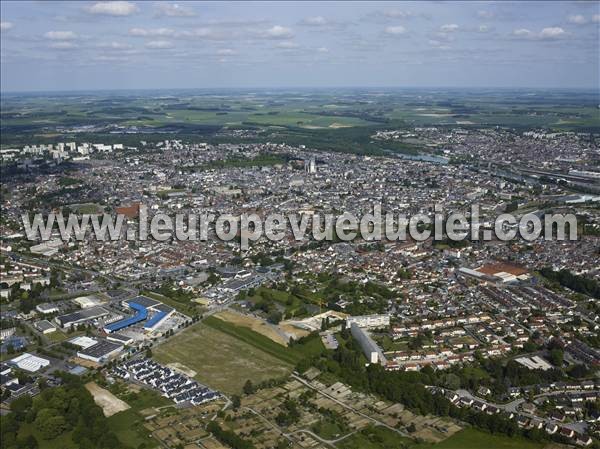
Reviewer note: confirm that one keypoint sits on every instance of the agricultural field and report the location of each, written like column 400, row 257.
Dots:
column 221, row 360
column 314, row 116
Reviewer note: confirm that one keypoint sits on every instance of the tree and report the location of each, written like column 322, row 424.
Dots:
column 29, row 442
column 236, row 401
column 49, row 423
column 556, row 357
column 248, row 387
column 21, row 405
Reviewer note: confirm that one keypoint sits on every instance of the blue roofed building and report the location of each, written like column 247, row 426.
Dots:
column 146, row 309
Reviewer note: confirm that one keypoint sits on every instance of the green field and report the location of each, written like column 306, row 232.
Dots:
column 382, row 438
column 475, row 439
column 311, row 115
column 128, row 424
column 376, row 438
column 128, row 427
column 219, row 359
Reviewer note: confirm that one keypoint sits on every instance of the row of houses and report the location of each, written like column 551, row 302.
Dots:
column 400, row 331
column 169, row 383
column 523, row 421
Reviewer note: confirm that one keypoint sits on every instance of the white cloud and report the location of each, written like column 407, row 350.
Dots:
column 160, row 45
column 552, row 33
column 145, row 32
column 5, row 26
column 395, row 30
column 397, row 14
column 323, row 50
column 117, row 8
column 315, row 21
column 200, row 32
column 226, row 52
column 438, row 44
column 63, row 45
column 111, row 58
column 522, row 32
column 175, row 10
column 483, row 28
column 60, row 35
column 287, row 45
column 596, row 18
column 278, row 32
column 114, row 46
column 449, row 28
column 577, row 19
column 549, row 33
column 485, row 14
column 204, row 33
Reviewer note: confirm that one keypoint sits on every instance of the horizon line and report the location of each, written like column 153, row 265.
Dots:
column 117, row 89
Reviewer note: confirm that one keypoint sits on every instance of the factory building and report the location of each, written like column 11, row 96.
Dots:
column 146, row 309
column 101, row 351
column 81, row 317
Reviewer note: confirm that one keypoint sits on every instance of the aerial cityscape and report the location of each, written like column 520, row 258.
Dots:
column 271, row 225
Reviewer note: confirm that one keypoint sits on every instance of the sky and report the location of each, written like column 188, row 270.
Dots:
column 77, row 45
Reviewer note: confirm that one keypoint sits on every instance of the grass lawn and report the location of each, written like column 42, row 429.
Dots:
column 328, row 429
column 221, row 360
column 128, row 425
column 129, row 429
column 63, row 441
column 475, row 439
column 57, row 336
column 376, row 438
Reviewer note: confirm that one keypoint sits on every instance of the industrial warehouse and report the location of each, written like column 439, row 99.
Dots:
column 116, row 316
column 146, row 309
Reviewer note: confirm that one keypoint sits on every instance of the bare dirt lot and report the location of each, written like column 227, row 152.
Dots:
column 109, row 402
column 255, row 324
column 176, row 366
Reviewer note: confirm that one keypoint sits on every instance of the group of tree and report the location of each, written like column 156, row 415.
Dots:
column 580, row 284
column 68, row 408
column 228, row 437
column 408, row 388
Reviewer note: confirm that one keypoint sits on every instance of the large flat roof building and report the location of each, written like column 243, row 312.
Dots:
column 29, row 362
column 371, row 350
column 101, row 351
column 81, row 316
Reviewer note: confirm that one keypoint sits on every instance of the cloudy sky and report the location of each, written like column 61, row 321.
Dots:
column 49, row 45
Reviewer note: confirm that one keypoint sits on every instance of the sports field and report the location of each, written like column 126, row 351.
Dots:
column 221, row 360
